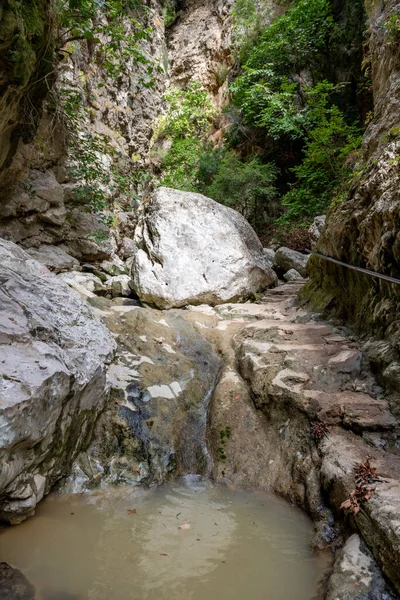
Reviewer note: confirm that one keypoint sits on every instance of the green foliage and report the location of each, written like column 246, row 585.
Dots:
column 181, row 164
column 114, row 26
column 331, row 142
column 187, row 119
column 190, row 112
column 297, row 39
column 285, row 106
column 170, row 12
column 262, row 107
column 392, row 26
column 248, row 187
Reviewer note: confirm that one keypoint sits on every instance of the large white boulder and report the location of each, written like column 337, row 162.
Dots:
column 53, row 357
column 191, row 250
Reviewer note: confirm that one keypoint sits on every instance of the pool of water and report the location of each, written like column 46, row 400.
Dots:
column 187, row 540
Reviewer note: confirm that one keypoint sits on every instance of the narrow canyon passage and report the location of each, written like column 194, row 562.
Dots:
column 199, row 299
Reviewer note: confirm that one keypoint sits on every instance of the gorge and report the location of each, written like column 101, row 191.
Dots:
column 161, row 368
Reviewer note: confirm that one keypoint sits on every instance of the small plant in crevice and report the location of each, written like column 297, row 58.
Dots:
column 224, row 435
column 319, row 430
column 364, row 475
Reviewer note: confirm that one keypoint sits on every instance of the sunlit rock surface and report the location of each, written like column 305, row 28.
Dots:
column 192, row 250
column 53, row 356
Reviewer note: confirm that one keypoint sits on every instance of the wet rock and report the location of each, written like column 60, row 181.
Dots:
column 54, row 258
column 162, row 379
column 286, row 259
column 52, row 379
column 14, row 585
column 356, row 575
column 292, row 275
column 192, row 250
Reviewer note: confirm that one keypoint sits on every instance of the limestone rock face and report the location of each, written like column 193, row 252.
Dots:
column 199, row 45
column 52, row 379
column 162, row 378
column 192, row 250
column 53, row 257
column 363, row 230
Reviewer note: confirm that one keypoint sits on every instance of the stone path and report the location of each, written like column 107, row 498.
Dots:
column 287, row 375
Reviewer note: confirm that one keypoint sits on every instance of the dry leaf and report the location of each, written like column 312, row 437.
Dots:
column 132, row 511
column 184, row 526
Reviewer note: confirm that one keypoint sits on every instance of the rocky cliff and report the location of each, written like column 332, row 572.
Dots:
column 363, row 229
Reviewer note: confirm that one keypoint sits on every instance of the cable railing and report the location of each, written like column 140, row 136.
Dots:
column 354, row 268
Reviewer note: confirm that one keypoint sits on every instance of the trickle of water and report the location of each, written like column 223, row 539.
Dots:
column 125, row 543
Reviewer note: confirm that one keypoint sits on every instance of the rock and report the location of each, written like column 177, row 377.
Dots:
column 14, row 585
column 287, row 259
column 84, row 283
column 119, row 285
column 293, row 275
column 356, row 574
column 53, row 353
column 88, row 268
column 87, row 238
column 348, row 361
column 127, row 248
column 114, row 267
column 54, row 257
column 269, row 255
column 162, row 380
column 316, row 228
column 192, row 250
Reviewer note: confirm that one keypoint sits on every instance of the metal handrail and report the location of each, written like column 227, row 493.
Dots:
column 353, row 268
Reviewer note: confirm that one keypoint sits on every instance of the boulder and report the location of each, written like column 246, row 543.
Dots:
column 286, row 259
column 127, row 248
column 114, row 267
column 86, row 284
column 269, row 255
column 54, row 353
column 120, row 285
column 292, row 275
column 14, row 585
column 192, row 250
column 54, row 257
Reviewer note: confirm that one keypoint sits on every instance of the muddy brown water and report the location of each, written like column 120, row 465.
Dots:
column 125, row 543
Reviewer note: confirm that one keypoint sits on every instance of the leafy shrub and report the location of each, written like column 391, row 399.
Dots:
column 325, row 166
column 170, row 12
column 248, row 186
column 190, row 112
column 181, row 164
